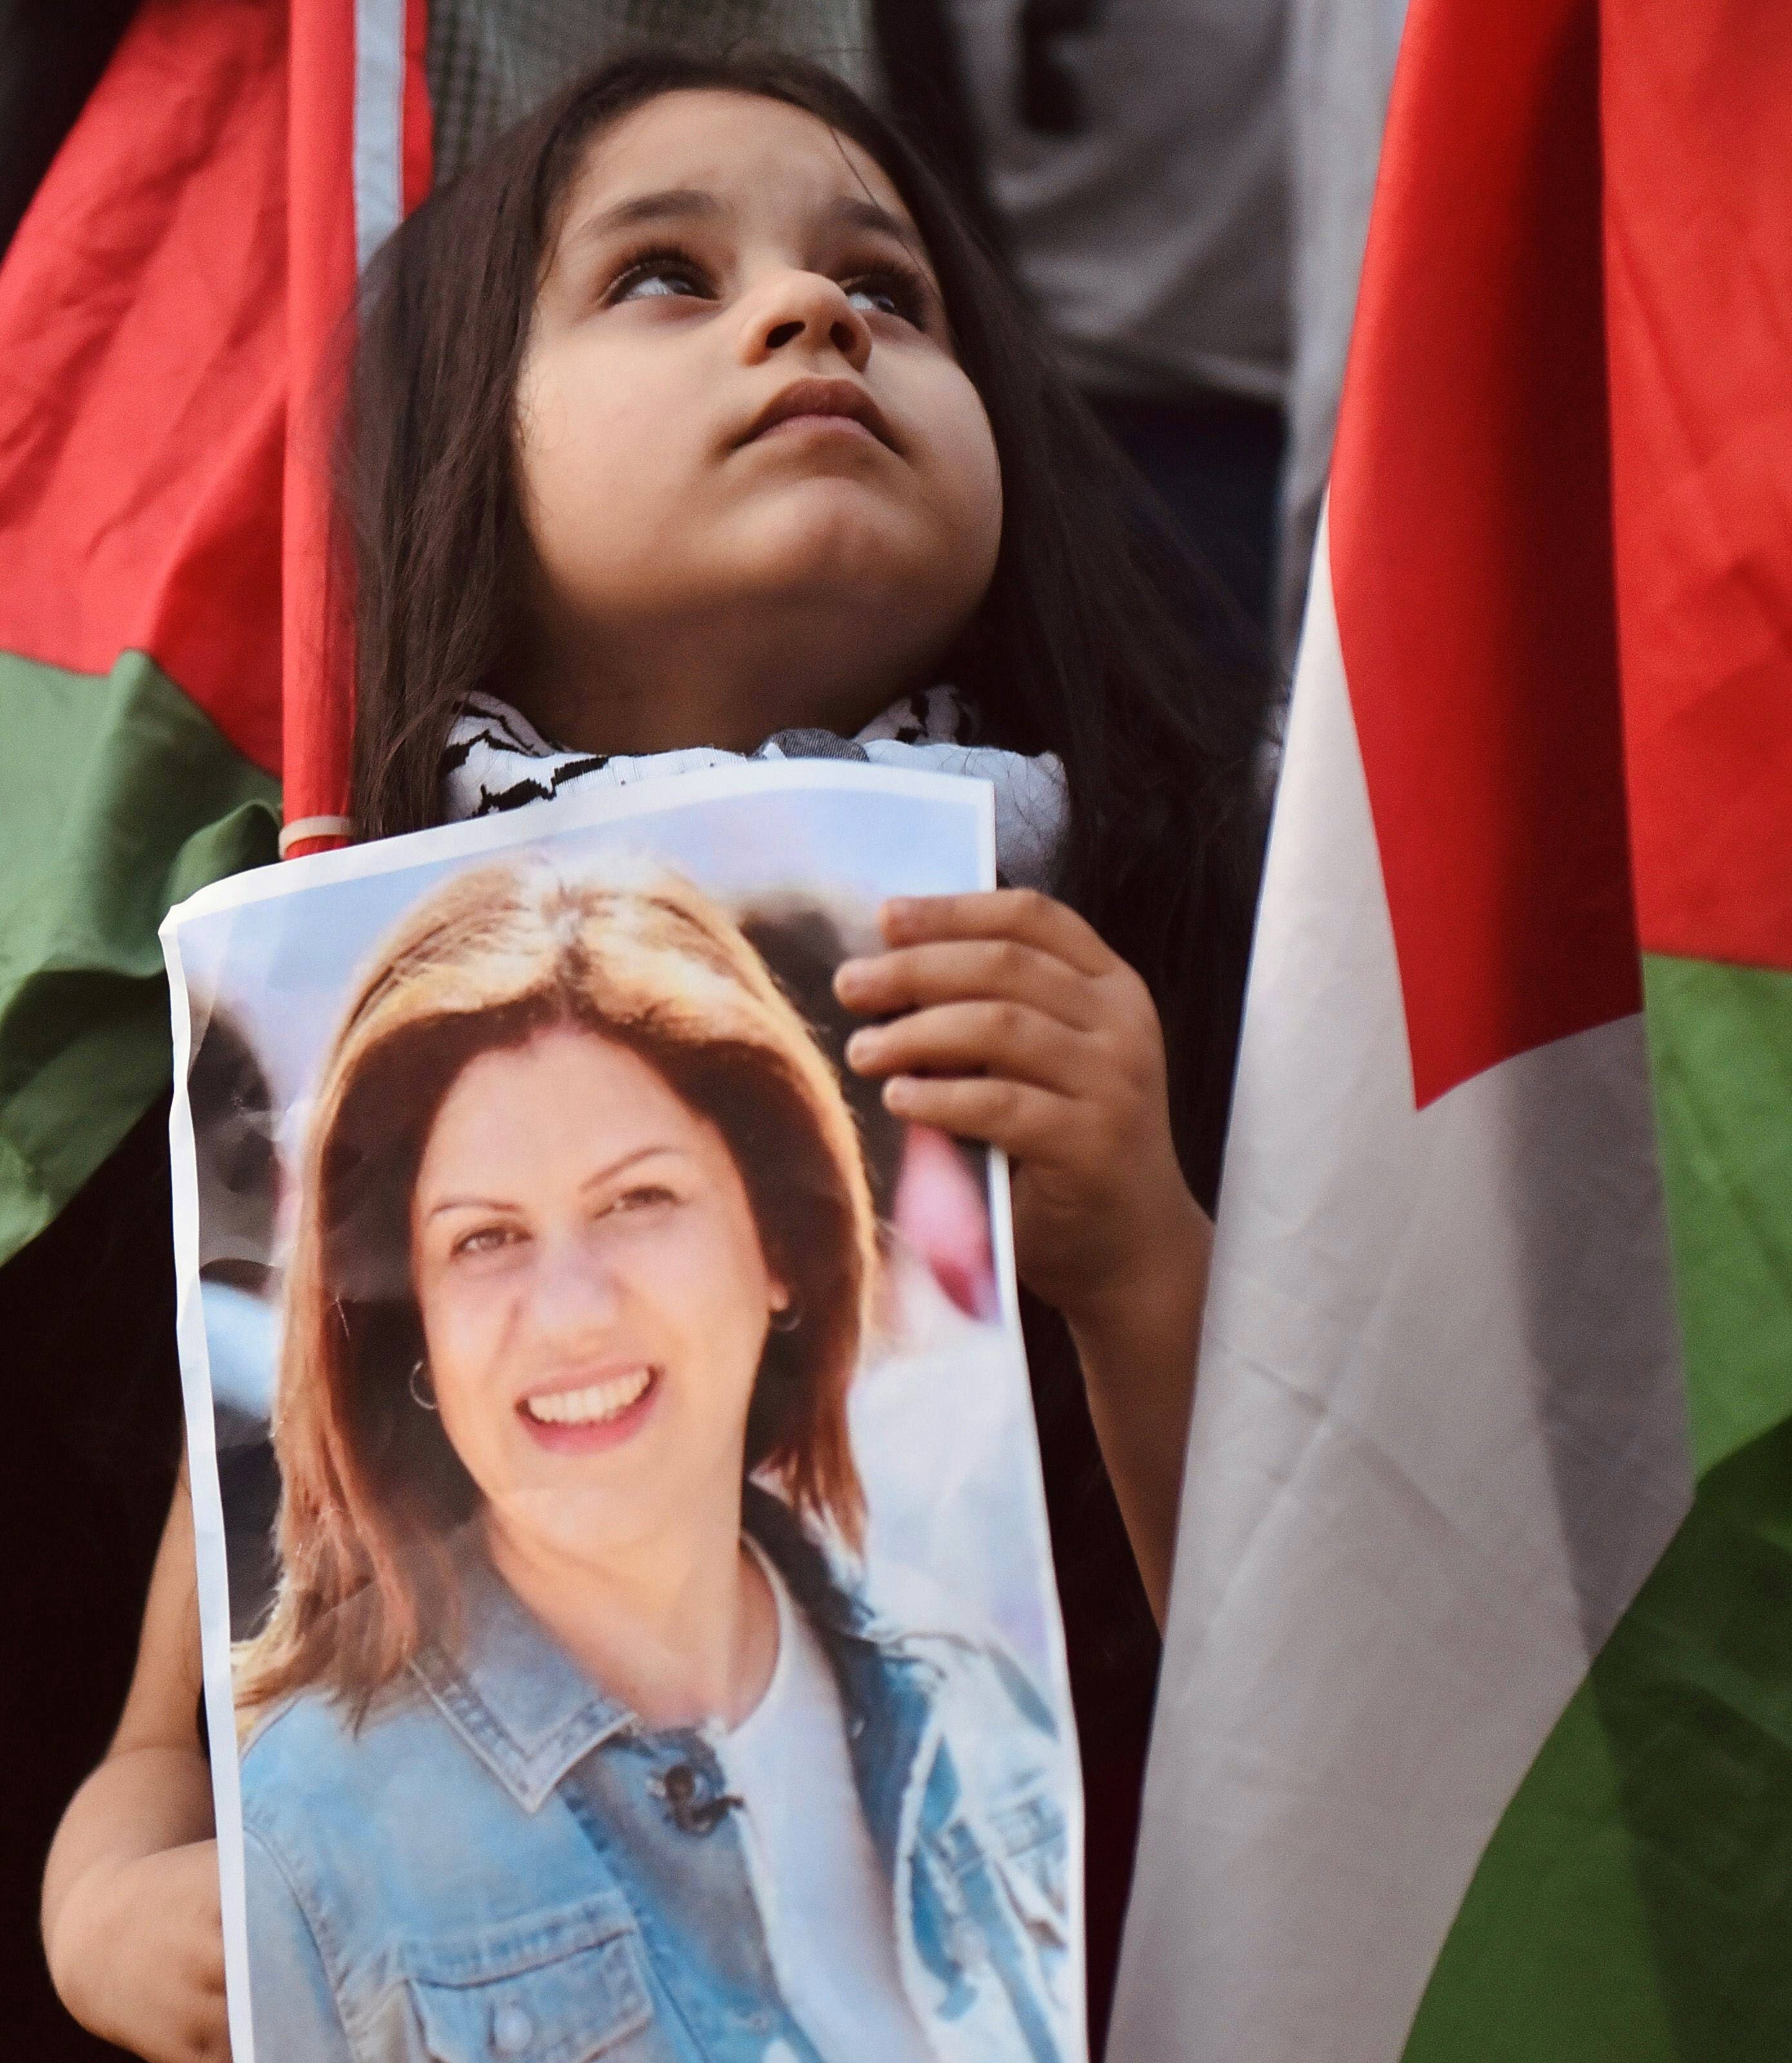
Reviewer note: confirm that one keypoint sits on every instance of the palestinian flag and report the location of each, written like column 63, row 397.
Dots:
column 171, row 310
column 1475, row 1735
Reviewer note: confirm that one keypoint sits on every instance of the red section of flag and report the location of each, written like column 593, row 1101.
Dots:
column 419, row 145
column 1699, row 257
column 320, row 171
column 1470, row 542
column 142, row 329
column 174, row 314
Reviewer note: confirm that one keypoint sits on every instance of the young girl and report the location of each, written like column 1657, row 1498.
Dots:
column 693, row 420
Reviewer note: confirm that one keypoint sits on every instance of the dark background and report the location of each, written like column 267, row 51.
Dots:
column 91, row 1442
column 86, row 1320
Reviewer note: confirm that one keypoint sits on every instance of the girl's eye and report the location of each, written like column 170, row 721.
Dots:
column 660, row 275
column 892, row 291
column 648, row 1197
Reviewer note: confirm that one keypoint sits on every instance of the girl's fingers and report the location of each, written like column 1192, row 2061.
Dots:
column 1006, row 1038
column 1017, row 1118
column 911, row 977
column 1022, row 915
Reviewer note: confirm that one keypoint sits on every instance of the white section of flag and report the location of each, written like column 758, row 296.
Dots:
column 1439, row 1440
column 379, row 124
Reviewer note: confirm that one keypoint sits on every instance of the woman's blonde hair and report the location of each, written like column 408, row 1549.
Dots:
column 371, row 1489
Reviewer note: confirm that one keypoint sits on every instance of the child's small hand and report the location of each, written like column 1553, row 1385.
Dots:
column 1014, row 1023
column 152, row 1979
column 1011, row 1021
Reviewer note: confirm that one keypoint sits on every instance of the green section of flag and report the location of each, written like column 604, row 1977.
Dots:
column 1721, row 1042
column 118, row 796
column 1635, row 1904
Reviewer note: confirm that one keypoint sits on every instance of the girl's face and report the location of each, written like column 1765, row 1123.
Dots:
column 593, row 1293
column 751, row 466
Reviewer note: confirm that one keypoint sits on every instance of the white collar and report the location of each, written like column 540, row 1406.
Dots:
column 495, row 760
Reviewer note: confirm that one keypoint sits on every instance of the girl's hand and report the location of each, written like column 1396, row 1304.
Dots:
column 143, row 1943
column 1011, row 1022
column 131, row 1907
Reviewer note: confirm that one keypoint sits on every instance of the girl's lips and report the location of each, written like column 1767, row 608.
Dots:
column 586, row 1421
column 812, row 403
column 825, row 426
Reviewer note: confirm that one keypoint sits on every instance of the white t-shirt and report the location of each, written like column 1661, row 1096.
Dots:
column 822, row 1893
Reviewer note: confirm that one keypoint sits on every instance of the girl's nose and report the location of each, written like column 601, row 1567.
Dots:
column 801, row 312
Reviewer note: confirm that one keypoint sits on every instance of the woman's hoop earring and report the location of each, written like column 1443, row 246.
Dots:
column 787, row 1319
column 423, row 1398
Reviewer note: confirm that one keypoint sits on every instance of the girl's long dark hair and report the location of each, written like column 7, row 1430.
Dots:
column 1082, row 646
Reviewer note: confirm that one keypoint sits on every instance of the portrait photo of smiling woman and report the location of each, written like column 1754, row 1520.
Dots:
column 576, row 1728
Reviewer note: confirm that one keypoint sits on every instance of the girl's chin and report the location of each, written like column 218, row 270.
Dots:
column 839, row 512
column 832, row 565
column 596, row 1434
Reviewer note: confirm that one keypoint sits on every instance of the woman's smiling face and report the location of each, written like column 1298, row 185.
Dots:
column 593, row 1292
column 742, row 430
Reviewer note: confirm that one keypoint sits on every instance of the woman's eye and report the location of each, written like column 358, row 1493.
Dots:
column 487, row 1239
column 650, row 1196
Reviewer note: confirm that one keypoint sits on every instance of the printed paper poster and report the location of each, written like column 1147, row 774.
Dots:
column 628, row 1621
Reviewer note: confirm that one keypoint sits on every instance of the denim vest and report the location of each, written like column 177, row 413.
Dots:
column 502, row 1864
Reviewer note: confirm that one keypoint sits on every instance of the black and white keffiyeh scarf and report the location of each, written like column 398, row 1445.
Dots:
column 497, row 760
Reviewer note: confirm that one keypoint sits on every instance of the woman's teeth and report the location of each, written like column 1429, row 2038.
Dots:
column 588, row 1406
